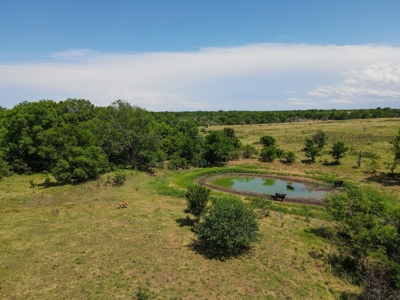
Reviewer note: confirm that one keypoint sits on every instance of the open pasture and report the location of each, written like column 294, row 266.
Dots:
column 73, row 241
column 369, row 136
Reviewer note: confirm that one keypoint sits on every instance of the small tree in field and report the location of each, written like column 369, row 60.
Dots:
column 32, row 185
column 248, row 151
column 290, row 157
column 311, row 150
column 319, row 138
column 268, row 154
column 230, row 226
column 196, row 199
column 267, row 141
column 338, row 151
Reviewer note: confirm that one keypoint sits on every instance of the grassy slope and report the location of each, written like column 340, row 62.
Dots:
column 92, row 250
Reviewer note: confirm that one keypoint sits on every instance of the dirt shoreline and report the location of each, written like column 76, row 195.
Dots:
column 308, row 182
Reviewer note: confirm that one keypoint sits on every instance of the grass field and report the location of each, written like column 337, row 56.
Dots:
column 72, row 241
column 367, row 135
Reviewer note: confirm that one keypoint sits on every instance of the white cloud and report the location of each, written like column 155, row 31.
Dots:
column 372, row 83
column 234, row 78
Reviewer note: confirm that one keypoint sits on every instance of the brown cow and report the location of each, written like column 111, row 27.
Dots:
column 123, row 204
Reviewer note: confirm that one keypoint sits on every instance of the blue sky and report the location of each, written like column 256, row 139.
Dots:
column 202, row 55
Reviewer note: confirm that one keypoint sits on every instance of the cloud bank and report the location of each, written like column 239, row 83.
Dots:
column 250, row 77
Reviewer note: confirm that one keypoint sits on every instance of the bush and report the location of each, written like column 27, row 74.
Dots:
column 230, row 226
column 338, row 151
column 373, row 165
column 119, row 179
column 268, row 154
column 196, row 199
column 177, row 162
column 235, row 154
column 290, row 157
column 4, row 169
column 248, row 151
column 267, row 141
column 83, row 163
column 319, row 138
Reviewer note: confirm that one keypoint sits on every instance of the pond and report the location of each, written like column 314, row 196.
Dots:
column 269, row 186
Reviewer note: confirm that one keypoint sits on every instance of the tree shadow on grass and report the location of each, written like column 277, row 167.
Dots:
column 385, row 179
column 184, row 221
column 49, row 184
column 331, row 163
column 307, row 161
column 209, row 252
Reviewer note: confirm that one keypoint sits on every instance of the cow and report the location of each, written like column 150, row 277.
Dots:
column 278, row 196
column 123, row 204
column 338, row 183
column 74, row 180
column 290, row 187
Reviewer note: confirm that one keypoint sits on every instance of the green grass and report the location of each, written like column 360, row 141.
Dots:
column 93, row 250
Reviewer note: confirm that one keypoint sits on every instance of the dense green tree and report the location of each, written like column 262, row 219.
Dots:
column 230, row 226
column 290, row 157
column 338, row 151
column 25, row 122
column 82, row 163
column 217, row 147
column 267, row 141
column 268, row 154
column 131, row 136
column 367, row 234
column 196, row 200
column 230, row 133
column 311, row 150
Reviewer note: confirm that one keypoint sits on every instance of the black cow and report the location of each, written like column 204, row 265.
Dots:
column 278, row 196
column 338, row 183
column 290, row 187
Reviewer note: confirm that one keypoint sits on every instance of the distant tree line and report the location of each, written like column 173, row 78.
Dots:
column 207, row 118
column 75, row 139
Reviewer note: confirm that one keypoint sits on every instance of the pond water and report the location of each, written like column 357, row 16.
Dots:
column 269, row 186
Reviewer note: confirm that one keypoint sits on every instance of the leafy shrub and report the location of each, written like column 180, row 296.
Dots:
column 268, row 154
column 338, row 150
column 177, row 162
column 83, row 163
column 290, row 157
column 230, row 226
column 4, row 169
column 248, row 151
column 119, row 179
column 267, row 141
column 311, row 150
column 319, row 138
column 196, row 199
